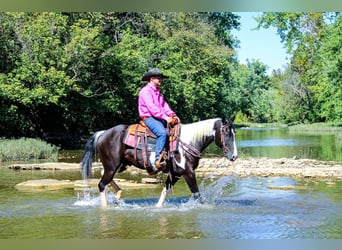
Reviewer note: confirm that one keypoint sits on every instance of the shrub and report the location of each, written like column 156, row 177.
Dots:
column 26, row 149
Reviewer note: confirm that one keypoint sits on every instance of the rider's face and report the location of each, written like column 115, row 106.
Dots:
column 156, row 80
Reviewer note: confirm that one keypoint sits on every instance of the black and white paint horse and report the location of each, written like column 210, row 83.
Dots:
column 193, row 139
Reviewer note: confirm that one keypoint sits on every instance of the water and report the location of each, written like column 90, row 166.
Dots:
column 280, row 143
column 267, row 142
column 234, row 208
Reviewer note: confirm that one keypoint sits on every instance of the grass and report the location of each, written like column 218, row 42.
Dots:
column 331, row 127
column 27, row 149
column 328, row 127
column 324, row 127
column 260, row 125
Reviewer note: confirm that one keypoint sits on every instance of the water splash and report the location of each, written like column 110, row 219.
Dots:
column 211, row 189
column 86, row 198
column 216, row 187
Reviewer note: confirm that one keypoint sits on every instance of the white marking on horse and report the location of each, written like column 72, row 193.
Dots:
column 192, row 133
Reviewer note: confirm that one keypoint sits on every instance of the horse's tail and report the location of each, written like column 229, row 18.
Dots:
column 88, row 154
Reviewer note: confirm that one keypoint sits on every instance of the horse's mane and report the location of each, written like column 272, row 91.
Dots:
column 193, row 132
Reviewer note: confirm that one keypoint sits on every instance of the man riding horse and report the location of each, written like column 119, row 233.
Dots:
column 117, row 146
column 156, row 114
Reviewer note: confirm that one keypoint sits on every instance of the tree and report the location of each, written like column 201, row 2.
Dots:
column 248, row 91
column 327, row 74
column 71, row 73
column 305, row 35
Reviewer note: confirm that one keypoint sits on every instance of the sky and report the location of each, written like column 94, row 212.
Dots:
column 263, row 44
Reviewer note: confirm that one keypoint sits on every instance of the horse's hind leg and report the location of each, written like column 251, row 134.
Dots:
column 107, row 178
column 117, row 189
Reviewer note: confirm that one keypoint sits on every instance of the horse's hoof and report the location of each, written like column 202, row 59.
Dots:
column 197, row 197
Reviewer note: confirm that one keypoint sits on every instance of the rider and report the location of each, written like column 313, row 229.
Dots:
column 155, row 112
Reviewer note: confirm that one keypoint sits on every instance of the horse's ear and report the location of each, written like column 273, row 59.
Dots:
column 224, row 121
column 232, row 118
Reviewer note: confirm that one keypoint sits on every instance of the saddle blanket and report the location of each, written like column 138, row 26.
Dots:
column 133, row 139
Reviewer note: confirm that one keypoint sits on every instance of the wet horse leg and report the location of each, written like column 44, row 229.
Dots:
column 169, row 183
column 110, row 168
column 107, row 177
column 117, row 189
column 190, row 179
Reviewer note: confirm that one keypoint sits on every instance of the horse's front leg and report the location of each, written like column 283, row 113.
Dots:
column 169, row 183
column 190, row 179
column 163, row 197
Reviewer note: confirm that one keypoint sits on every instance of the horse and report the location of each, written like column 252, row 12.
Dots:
column 195, row 137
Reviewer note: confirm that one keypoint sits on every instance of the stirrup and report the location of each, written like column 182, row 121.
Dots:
column 161, row 163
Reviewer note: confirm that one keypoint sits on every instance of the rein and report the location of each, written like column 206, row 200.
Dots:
column 189, row 148
column 193, row 151
column 185, row 146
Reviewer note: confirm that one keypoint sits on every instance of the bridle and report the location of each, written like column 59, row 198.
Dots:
column 222, row 131
column 194, row 152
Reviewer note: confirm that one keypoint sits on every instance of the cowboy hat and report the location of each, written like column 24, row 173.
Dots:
column 153, row 72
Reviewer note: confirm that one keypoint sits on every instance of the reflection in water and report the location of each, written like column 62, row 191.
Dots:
column 271, row 143
column 278, row 143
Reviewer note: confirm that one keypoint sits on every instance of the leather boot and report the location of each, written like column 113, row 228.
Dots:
column 161, row 163
column 152, row 170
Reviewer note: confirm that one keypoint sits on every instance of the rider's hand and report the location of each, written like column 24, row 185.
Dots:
column 169, row 119
column 172, row 120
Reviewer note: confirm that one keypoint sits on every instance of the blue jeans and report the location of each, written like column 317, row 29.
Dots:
column 158, row 128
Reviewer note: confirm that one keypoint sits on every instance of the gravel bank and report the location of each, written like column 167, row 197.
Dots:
column 265, row 167
column 220, row 166
column 215, row 167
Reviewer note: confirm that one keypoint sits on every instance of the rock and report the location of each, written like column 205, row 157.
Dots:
column 51, row 166
column 52, row 184
column 149, row 181
column 44, row 184
column 286, row 187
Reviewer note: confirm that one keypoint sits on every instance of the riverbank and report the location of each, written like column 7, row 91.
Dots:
column 220, row 166
column 265, row 167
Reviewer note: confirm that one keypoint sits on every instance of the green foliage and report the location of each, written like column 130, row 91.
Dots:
column 327, row 74
column 68, row 74
column 310, row 88
column 26, row 149
column 249, row 92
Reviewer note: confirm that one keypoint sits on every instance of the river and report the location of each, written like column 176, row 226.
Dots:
column 234, row 208
column 281, row 143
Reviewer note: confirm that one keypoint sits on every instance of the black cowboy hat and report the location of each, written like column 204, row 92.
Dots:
column 153, row 72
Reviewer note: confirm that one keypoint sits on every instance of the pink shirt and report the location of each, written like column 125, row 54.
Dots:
column 152, row 103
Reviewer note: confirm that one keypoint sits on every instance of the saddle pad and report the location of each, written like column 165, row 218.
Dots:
column 133, row 134
column 135, row 142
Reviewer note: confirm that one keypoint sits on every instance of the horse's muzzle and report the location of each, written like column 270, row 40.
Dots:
column 232, row 158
